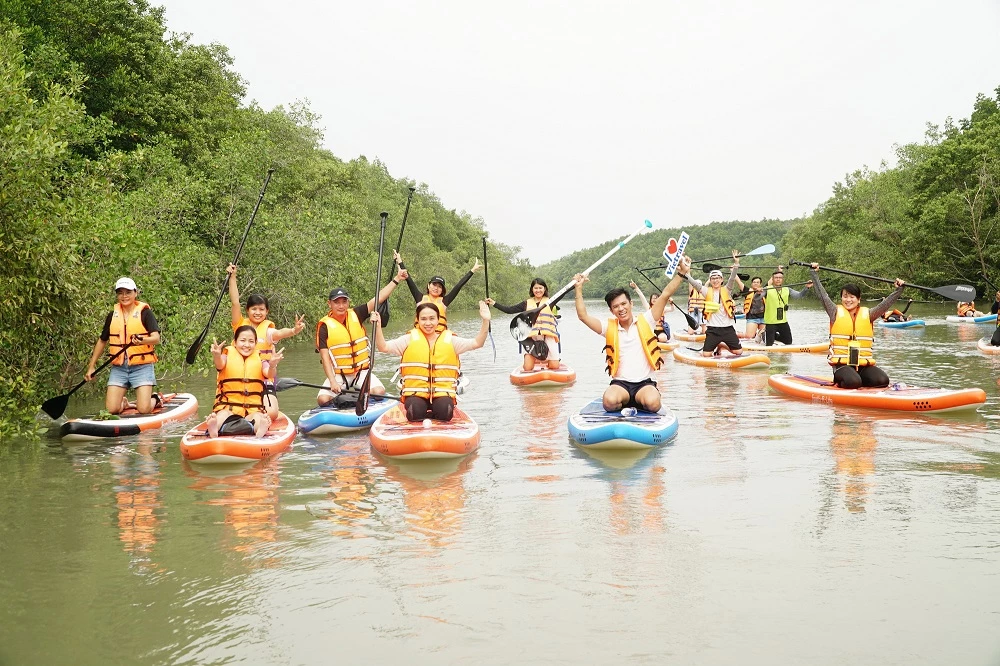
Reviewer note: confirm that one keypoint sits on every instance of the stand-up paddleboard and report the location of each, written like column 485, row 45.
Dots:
column 912, row 323
column 594, row 428
column 985, row 319
column 669, row 345
column 896, row 397
column 542, row 375
column 198, row 447
column 336, row 420
column 174, row 407
column 395, row 437
column 725, row 361
column 689, row 337
column 985, row 347
column 814, row 348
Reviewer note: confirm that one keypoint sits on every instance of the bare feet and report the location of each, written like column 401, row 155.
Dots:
column 212, row 423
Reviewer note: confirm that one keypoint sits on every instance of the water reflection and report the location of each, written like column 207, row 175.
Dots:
column 853, row 444
column 352, row 477
column 248, row 496
column 433, row 494
column 138, row 500
column 543, row 429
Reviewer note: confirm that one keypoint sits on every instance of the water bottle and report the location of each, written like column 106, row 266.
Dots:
column 630, row 411
column 898, row 386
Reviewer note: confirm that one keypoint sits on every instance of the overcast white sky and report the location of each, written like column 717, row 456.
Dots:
column 566, row 123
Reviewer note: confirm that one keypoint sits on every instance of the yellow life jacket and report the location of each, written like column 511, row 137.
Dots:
column 650, row 345
column 348, row 345
column 122, row 329
column 695, row 300
column 442, row 311
column 846, row 332
column 546, row 322
column 240, row 385
column 263, row 346
column 715, row 301
column 429, row 373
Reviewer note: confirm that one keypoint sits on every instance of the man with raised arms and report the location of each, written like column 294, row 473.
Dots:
column 631, row 350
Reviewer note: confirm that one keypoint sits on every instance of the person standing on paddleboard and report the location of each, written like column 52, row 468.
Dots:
column 753, row 309
column 130, row 326
column 436, row 292
column 720, row 310
column 995, row 309
column 776, row 297
column 430, row 365
column 632, row 353
column 852, row 334
column 544, row 333
column 267, row 334
column 342, row 342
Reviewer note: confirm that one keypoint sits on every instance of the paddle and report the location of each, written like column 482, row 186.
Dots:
column 285, row 383
column 520, row 326
column 692, row 324
column 992, row 286
column 486, row 275
column 383, row 308
column 955, row 292
column 192, row 352
column 763, row 249
column 708, row 268
column 366, row 385
column 55, row 407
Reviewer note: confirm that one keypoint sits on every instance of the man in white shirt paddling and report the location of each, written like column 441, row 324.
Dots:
column 632, row 352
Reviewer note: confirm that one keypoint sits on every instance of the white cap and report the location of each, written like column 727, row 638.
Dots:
column 714, row 274
column 125, row 283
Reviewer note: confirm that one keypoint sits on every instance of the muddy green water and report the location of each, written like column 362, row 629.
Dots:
column 770, row 530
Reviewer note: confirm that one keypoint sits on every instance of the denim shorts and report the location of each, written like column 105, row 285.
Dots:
column 132, row 376
column 755, row 320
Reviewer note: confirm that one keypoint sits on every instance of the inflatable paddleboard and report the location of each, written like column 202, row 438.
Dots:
column 913, row 323
column 901, row 398
column 395, row 437
column 688, row 337
column 816, row 348
column 594, row 428
column 985, row 319
column 746, row 360
column 543, row 376
column 669, row 345
column 985, row 347
column 333, row 421
column 175, row 407
column 198, row 447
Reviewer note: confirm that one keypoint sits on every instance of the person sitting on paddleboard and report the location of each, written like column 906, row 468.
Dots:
column 544, row 334
column 753, row 308
column 968, row 309
column 430, row 365
column 719, row 310
column 632, row 354
column 436, row 292
column 776, row 297
column 662, row 328
column 342, row 342
column 130, row 326
column 898, row 315
column 241, row 385
column 852, row 334
column 267, row 334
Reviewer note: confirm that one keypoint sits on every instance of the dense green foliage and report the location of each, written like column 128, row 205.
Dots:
column 127, row 152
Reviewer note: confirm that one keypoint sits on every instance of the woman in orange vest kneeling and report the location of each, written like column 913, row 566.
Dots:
column 430, row 364
column 852, row 333
column 239, row 395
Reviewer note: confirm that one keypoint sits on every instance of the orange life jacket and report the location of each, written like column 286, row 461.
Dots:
column 430, row 373
column 122, row 329
column 240, row 385
column 545, row 324
column 348, row 345
column 650, row 345
column 846, row 332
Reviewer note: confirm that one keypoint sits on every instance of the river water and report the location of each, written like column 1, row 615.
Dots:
column 771, row 530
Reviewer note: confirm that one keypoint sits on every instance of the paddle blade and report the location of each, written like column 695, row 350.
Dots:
column 362, row 405
column 956, row 292
column 763, row 249
column 195, row 347
column 520, row 326
column 56, row 407
column 383, row 312
column 285, row 383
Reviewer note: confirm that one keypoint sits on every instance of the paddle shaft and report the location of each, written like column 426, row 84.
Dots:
column 362, row 405
column 486, row 276
column 562, row 292
column 879, row 279
column 992, row 286
column 52, row 405
column 196, row 346
column 402, row 227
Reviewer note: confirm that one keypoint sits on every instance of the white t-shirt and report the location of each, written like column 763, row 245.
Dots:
column 632, row 363
column 720, row 318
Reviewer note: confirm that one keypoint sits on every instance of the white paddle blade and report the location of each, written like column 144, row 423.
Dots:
column 520, row 327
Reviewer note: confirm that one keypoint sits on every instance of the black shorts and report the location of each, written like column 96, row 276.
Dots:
column 633, row 388
column 716, row 334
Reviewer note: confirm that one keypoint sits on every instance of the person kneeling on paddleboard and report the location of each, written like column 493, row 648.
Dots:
column 852, row 334
column 994, row 309
column 632, row 353
column 719, row 310
column 430, row 365
column 239, row 397
column 898, row 315
column 543, row 345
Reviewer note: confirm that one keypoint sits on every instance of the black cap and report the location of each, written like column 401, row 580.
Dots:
column 438, row 279
column 339, row 292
